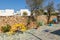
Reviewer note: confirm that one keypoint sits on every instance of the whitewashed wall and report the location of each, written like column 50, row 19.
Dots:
column 7, row 12
column 10, row 12
column 25, row 10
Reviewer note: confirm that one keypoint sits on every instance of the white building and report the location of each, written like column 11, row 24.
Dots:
column 21, row 12
column 10, row 12
column 7, row 12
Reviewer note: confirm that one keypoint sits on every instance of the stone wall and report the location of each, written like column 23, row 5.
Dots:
column 44, row 18
column 12, row 20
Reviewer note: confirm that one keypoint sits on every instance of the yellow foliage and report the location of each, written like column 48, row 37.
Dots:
column 20, row 26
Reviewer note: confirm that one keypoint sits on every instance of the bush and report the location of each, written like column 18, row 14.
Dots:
column 6, row 28
column 54, row 14
column 19, row 27
column 40, row 23
column 45, row 13
column 24, row 13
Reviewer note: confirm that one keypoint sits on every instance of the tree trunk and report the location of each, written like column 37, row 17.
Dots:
column 49, row 15
column 31, row 18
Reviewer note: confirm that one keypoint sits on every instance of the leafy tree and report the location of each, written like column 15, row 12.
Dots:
column 58, row 6
column 50, row 8
column 34, row 6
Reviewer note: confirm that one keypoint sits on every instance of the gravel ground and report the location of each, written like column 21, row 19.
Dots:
column 34, row 34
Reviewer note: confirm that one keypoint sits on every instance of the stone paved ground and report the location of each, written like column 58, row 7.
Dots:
column 34, row 34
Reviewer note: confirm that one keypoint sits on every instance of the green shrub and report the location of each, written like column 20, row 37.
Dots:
column 40, row 23
column 24, row 13
column 6, row 28
column 45, row 13
column 54, row 14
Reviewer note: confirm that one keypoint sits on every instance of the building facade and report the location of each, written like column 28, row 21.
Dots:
column 10, row 12
column 7, row 12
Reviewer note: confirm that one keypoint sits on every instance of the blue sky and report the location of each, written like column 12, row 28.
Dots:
column 17, row 4
column 12, row 4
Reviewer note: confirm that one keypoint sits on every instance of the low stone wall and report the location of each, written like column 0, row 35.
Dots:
column 44, row 18
column 53, row 17
column 12, row 20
